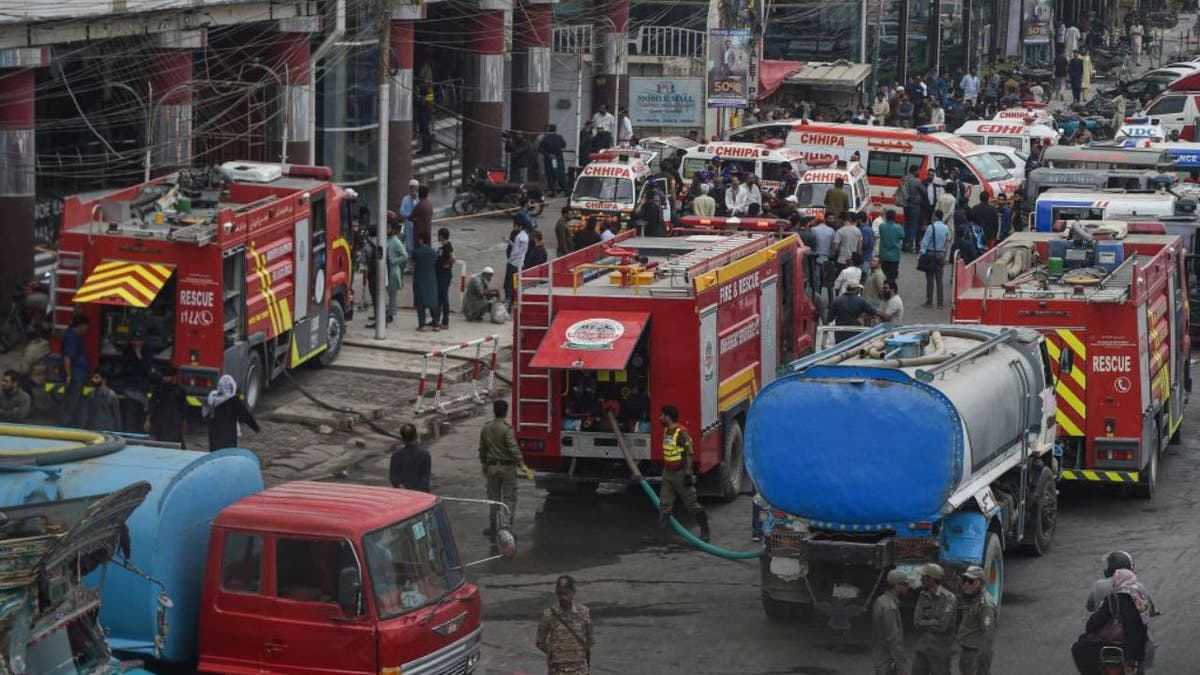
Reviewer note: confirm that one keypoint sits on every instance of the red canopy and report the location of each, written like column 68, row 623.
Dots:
column 771, row 75
column 590, row 340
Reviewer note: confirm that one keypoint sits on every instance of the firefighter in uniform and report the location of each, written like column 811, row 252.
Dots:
column 977, row 625
column 934, row 621
column 678, row 478
column 565, row 632
column 887, row 628
column 501, row 457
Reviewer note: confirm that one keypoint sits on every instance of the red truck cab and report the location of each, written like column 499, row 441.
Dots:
column 314, row 577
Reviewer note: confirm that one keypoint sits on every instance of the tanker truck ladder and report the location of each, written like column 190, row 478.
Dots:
column 718, row 254
column 67, row 275
column 531, row 321
column 926, row 375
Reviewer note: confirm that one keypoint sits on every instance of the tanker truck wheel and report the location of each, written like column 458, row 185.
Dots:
column 993, row 567
column 1039, row 531
column 731, row 473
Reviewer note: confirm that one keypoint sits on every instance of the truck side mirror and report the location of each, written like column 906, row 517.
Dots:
column 349, row 591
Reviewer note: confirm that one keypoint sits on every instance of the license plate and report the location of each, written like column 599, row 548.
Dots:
column 846, row 592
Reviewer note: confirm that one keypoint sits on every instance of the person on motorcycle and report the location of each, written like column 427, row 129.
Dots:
column 1120, row 560
column 1122, row 620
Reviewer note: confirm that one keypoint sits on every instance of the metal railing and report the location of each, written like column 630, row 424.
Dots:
column 643, row 41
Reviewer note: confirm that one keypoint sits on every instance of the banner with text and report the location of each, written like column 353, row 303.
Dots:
column 728, row 67
column 1038, row 17
column 666, row 101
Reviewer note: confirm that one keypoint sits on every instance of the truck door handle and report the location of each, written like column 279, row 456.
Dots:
column 275, row 646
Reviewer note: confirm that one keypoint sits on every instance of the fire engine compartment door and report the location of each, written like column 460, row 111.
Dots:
column 124, row 284
column 590, row 340
column 302, row 263
column 769, row 346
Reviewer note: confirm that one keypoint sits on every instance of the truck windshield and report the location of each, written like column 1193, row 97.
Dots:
column 413, row 563
column 604, row 188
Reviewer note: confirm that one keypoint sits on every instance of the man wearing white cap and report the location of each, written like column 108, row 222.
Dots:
column 887, row 627
column 977, row 628
column 477, row 301
column 407, row 205
column 934, row 621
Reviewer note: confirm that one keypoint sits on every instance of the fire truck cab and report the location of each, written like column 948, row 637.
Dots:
column 817, row 181
column 242, row 269
column 764, row 160
column 1113, row 306
column 699, row 321
column 611, row 186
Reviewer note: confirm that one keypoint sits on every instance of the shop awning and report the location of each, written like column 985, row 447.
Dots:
column 840, row 74
column 590, row 340
column 123, row 283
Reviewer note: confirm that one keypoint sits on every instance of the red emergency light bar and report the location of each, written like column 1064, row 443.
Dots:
column 773, row 143
column 738, row 223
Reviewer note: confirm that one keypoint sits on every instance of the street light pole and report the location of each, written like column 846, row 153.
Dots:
column 286, row 109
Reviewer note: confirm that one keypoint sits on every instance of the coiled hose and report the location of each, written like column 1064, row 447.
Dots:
column 675, row 524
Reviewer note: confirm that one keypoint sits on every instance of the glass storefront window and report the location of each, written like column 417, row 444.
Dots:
column 813, row 30
column 953, row 31
column 918, row 37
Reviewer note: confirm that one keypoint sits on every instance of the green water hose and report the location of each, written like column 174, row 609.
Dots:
column 675, row 524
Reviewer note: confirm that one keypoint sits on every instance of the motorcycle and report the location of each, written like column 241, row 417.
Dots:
column 481, row 192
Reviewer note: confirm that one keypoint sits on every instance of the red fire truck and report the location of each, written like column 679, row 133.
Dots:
column 698, row 321
column 1114, row 308
column 241, row 269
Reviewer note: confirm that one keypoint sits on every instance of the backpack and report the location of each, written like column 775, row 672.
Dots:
column 977, row 237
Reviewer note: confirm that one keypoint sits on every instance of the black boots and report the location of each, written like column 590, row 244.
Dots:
column 702, row 518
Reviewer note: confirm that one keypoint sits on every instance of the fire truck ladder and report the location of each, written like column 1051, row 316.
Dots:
column 1115, row 287
column 528, row 337
column 701, row 260
column 68, row 273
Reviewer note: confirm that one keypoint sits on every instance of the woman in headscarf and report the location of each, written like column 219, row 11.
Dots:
column 224, row 410
column 1127, row 604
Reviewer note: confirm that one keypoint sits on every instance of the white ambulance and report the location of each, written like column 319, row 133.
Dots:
column 817, row 181
column 610, row 187
column 1029, row 115
column 1014, row 134
column 765, row 160
column 887, row 154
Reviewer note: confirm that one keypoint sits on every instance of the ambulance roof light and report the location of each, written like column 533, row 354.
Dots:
column 930, row 128
column 602, row 155
column 773, row 143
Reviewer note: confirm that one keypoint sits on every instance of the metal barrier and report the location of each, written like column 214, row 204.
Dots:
column 477, row 393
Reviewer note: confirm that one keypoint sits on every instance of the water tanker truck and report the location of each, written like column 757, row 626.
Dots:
column 899, row 447
column 221, row 576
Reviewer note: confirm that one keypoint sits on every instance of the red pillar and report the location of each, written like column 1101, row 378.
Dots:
column 484, row 109
column 17, row 166
column 611, row 75
column 293, row 58
column 171, row 97
column 531, row 66
column 400, row 116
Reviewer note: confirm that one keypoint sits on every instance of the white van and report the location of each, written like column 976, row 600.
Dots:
column 817, row 181
column 1015, row 134
column 1176, row 110
column 610, row 187
column 765, row 160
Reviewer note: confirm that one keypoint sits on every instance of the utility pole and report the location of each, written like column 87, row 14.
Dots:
column 381, row 266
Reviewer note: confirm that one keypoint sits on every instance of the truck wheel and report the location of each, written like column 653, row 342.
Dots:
column 782, row 610
column 731, row 473
column 253, row 380
column 1039, row 530
column 334, row 334
column 993, row 567
column 1177, row 437
column 1148, row 478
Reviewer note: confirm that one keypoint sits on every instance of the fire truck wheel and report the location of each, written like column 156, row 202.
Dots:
column 253, row 380
column 1043, row 518
column 335, row 334
column 1148, row 478
column 731, row 473
column 1177, row 437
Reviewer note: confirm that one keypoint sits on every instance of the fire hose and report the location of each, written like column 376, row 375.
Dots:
column 675, row 524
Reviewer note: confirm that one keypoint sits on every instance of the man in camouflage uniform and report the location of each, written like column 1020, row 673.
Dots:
column 887, row 627
column 977, row 627
column 500, row 457
column 565, row 632
column 934, row 621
